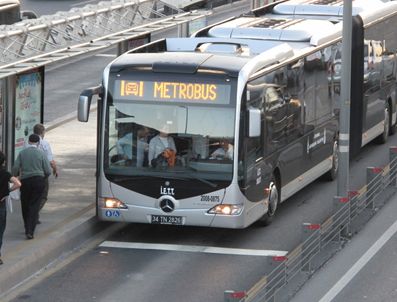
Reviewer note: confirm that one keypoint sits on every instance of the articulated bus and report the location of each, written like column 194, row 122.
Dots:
column 218, row 129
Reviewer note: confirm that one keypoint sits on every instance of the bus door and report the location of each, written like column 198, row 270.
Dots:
column 293, row 157
column 276, row 132
column 252, row 149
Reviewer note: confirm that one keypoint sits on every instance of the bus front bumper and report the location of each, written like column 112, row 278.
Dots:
column 188, row 217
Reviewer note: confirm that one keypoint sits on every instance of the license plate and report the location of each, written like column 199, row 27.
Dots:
column 160, row 219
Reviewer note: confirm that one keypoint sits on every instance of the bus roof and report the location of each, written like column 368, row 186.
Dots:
column 312, row 22
column 271, row 38
column 333, row 10
column 278, row 29
column 207, row 54
column 184, row 62
column 323, row 7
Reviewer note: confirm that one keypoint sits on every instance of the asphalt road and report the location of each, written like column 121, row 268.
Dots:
column 154, row 264
column 377, row 281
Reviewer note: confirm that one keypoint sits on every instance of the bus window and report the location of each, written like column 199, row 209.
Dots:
column 316, row 92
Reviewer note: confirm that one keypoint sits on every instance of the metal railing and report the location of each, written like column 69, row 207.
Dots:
column 321, row 241
column 36, row 36
column 37, row 42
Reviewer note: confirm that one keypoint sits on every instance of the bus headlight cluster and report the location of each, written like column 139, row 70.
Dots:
column 226, row 209
column 114, row 203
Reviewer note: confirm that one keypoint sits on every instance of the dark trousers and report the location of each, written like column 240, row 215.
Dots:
column 31, row 191
column 3, row 219
column 44, row 196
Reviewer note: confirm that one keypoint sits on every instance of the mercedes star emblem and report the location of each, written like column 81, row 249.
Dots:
column 167, row 205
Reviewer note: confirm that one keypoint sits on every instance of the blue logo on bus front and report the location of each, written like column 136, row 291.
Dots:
column 111, row 213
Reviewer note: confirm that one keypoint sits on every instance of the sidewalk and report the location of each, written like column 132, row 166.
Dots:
column 68, row 217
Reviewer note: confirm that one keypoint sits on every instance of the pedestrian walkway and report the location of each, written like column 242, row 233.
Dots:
column 68, row 217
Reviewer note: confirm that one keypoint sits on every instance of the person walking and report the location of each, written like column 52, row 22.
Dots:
column 32, row 166
column 5, row 179
column 45, row 146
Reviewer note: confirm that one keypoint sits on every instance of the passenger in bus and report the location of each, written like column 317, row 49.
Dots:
column 142, row 147
column 124, row 144
column 225, row 151
column 162, row 149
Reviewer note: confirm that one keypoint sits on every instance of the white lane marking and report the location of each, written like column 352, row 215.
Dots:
column 191, row 248
column 108, row 55
column 340, row 285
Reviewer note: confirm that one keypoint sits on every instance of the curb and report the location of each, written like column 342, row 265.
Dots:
column 65, row 119
column 37, row 254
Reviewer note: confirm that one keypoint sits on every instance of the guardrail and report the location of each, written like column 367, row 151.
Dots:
column 36, row 36
column 38, row 42
column 321, row 241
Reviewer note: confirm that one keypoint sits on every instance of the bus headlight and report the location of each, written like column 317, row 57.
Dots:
column 226, row 209
column 114, row 203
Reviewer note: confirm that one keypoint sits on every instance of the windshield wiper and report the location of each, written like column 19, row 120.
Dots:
column 151, row 176
column 211, row 184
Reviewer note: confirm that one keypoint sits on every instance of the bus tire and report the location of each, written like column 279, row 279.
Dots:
column 392, row 126
column 382, row 139
column 392, row 129
column 274, row 200
column 333, row 172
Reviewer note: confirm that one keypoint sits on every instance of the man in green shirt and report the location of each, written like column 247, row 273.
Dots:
column 32, row 166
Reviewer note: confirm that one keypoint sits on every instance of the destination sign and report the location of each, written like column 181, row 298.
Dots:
column 164, row 91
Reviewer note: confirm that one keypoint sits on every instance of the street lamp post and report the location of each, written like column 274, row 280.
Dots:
column 344, row 115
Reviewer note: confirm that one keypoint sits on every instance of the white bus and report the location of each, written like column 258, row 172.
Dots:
column 218, row 129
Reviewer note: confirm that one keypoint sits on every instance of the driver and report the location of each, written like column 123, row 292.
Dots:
column 162, row 144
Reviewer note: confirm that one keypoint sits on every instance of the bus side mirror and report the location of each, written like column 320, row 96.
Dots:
column 83, row 110
column 254, row 122
column 85, row 98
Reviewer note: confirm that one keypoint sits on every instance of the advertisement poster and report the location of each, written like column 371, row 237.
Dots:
column 28, row 100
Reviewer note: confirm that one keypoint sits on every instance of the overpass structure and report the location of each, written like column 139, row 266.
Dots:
column 37, row 42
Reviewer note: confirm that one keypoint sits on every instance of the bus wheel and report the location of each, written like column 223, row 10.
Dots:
column 393, row 127
column 386, row 126
column 273, row 203
column 331, row 174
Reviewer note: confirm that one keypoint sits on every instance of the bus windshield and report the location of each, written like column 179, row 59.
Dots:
column 178, row 129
